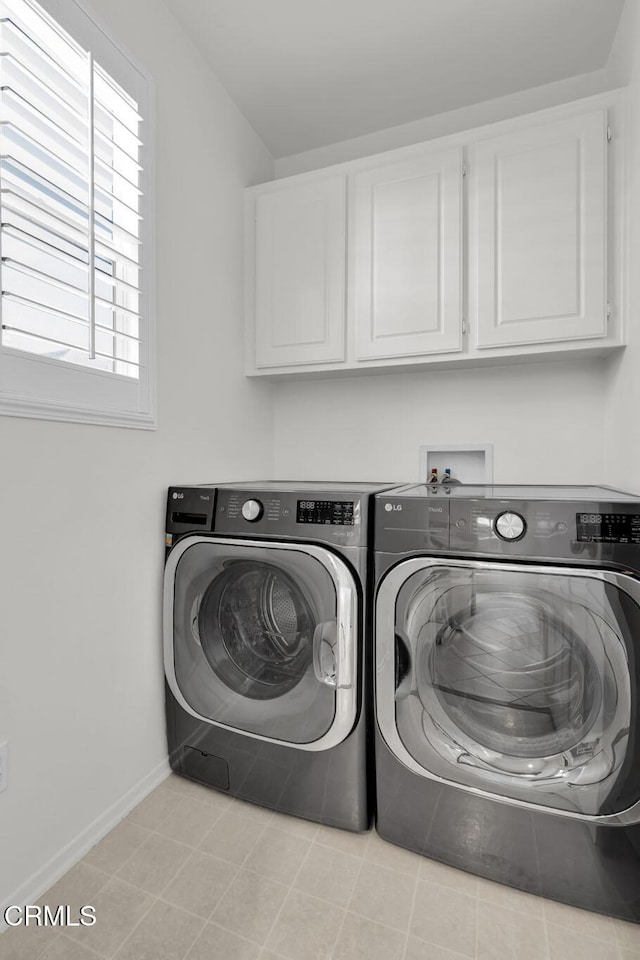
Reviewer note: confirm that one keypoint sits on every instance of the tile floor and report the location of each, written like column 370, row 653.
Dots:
column 192, row 874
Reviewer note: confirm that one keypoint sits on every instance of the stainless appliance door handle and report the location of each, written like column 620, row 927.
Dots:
column 325, row 643
column 347, row 637
column 335, row 644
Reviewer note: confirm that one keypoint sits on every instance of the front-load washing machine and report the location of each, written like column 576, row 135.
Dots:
column 265, row 615
column 507, row 673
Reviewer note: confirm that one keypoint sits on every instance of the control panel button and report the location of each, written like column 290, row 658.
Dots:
column 252, row 510
column 510, row 526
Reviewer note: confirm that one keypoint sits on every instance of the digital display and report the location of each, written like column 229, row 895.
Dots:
column 608, row 527
column 336, row 512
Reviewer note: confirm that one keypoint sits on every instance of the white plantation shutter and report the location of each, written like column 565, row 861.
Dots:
column 75, row 336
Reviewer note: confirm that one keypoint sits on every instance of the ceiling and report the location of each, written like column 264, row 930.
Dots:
column 307, row 73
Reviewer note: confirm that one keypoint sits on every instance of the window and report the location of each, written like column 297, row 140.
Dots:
column 75, row 337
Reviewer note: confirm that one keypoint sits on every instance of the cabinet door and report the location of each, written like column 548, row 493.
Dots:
column 300, row 269
column 408, row 263
column 539, row 238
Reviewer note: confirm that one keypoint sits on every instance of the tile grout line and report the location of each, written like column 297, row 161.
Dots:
column 144, row 913
column 413, row 906
column 318, row 839
column 220, row 814
column 546, row 929
column 157, row 898
column 92, row 950
column 353, row 891
column 477, row 936
column 277, row 916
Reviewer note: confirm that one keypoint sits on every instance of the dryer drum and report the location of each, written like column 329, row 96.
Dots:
column 256, row 629
column 541, row 702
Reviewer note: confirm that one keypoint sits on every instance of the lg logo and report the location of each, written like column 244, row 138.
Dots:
column 178, row 496
column 389, row 507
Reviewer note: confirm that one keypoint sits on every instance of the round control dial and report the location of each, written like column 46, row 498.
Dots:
column 252, row 510
column 510, row 526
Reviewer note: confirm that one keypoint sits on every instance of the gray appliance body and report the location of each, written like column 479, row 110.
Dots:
column 507, row 679
column 265, row 615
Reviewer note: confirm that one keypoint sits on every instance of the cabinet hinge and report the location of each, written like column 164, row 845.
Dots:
column 464, row 326
column 609, row 309
column 609, row 135
column 464, row 170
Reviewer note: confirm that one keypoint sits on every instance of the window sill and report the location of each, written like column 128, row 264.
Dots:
column 14, row 407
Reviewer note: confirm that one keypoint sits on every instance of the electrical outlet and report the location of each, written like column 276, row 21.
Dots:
column 4, row 766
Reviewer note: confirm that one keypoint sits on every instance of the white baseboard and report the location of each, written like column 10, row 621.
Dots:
column 46, row 876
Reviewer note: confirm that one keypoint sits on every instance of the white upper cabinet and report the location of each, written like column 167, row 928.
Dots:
column 538, row 238
column 503, row 242
column 407, row 274
column 298, row 294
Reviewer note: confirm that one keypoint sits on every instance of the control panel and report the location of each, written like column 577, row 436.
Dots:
column 509, row 528
column 608, row 527
column 288, row 514
column 337, row 512
column 543, row 528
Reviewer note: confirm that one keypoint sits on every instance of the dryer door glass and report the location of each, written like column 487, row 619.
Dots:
column 255, row 639
column 519, row 682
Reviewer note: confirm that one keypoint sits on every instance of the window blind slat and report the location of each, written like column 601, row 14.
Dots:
column 17, row 43
column 116, row 118
column 45, row 34
column 19, row 148
column 118, row 283
column 59, row 225
column 30, row 316
column 26, row 248
column 36, row 294
column 20, row 180
column 119, row 334
column 115, row 132
column 113, row 95
column 107, row 175
column 35, row 319
column 18, row 113
column 81, row 324
column 109, row 252
column 116, row 308
column 113, row 153
column 68, row 113
column 69, row 352
column 76, row 284
column 119, row 238
column 70, row 223
column 125, row 208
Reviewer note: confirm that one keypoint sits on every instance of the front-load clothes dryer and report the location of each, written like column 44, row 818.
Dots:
column 507, row 672
column 265, row 615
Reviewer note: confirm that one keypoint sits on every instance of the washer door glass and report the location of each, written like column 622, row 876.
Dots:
column 518, row 682
column 254, row 639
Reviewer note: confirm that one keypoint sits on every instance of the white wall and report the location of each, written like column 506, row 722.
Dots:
column 454, row 121
column 622, row 398
column 81, row 541
column 546, row 420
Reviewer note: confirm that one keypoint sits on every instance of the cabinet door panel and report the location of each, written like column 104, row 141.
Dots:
column 540, row 232
column 300, row 274
column 408, row 233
